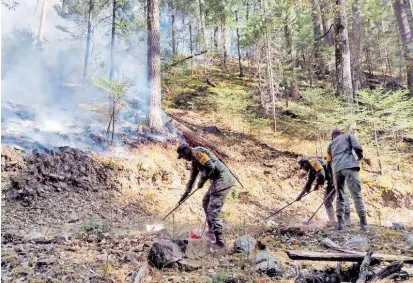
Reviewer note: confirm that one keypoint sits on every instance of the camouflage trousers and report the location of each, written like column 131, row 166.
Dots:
column 329, row 200
column 349, row 178
column 212, row 203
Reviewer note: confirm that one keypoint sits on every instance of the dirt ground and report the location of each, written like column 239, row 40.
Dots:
column 74, row 216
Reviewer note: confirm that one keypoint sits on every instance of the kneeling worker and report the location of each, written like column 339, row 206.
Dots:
column 211, row 168
column 317, row 170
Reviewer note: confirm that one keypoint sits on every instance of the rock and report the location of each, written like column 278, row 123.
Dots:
column 357, row 243
column 131, row 257
column 245, row 244
column 398, row 225
column 182, row 243
column 197, row 249
column 73, row 218
column 163, row 254
column 105, row 258
column 271, row 268
column 188, row 265
column 263, row 256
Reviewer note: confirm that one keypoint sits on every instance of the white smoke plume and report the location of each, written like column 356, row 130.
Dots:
column 44, row 101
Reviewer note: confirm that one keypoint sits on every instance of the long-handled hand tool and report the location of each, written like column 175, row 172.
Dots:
column 329, row 195
column 236, row 178
column 156, row 227
column 281, row 209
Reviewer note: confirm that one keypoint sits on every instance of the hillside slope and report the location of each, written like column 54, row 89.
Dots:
column 78, row 216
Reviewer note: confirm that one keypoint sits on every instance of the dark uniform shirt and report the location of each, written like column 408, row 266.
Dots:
column 211, row 168
column 344, row 152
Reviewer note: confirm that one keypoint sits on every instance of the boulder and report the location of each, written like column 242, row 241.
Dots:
column 245, row 244
column 164, row 254
column 357, row 243
column 263, row 256
column 267, row 264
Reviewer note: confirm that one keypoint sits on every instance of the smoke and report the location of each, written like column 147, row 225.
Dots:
column 45, row 103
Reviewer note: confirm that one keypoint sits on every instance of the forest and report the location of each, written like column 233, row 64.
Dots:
column 108, row 104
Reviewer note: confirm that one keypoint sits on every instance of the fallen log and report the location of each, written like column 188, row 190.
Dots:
column 364, row 268
column 186, row 58
column 335, row 256
column 387, row 271
column 195, row 139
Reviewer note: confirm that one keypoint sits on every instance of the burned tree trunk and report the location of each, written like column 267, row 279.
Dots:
column 406, row 38
column 364, row 268
column 342, row 52
column 89, row 29
column 241, row 72
column 112, row 41
column 154, row 61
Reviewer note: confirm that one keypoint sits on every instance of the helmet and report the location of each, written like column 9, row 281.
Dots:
column 181, row 149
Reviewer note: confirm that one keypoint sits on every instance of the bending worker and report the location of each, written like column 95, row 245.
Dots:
column 318, row 171
column 344, row 153
column 211, row 168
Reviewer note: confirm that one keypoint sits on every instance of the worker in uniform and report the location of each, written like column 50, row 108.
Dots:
column 211, row 168
column 344, row 154
column 318, row 171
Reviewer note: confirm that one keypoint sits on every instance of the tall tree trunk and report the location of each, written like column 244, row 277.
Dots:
column 65, row 7
column 409, row 11
column 357, row 50
column 241, row 72
column 342, row 52
column 43, row 21
column 172, row 8
column 202, row 23
column 216, row 39
column 291, row 70
column 325, row 8
column 89, row 29
column 112, row 42
column 270, row 76
column 224, row 43
column 318, row 57
column 406, row 37
column 247, row 19
column 191, row 47
column 154, row 62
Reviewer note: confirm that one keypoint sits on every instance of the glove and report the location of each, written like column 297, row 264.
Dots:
column 183, row 197
column 316, row 187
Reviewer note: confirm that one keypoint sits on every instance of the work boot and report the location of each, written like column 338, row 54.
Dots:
column 219, row 240
column 363, row 224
